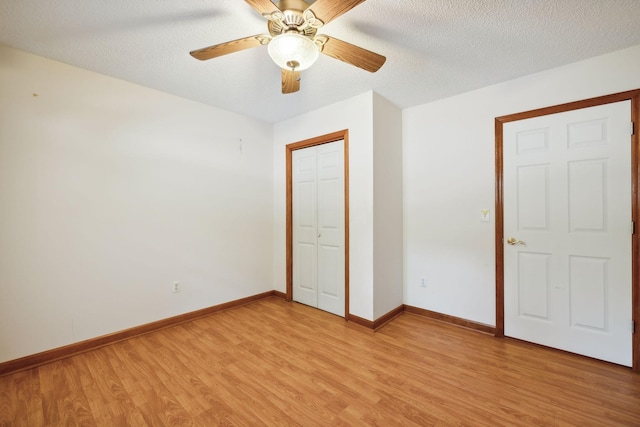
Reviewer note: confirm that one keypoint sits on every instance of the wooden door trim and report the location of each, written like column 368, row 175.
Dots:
column 634, row 97
column 290, row 148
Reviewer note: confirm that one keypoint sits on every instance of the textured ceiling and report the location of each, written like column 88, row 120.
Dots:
column 434, row 48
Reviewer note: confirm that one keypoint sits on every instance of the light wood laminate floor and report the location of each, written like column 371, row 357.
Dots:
column 277, row 363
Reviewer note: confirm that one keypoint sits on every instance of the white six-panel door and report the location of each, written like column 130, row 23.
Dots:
column 567, row 231
column 318, row 226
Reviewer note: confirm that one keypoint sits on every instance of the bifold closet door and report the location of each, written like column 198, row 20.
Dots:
column 318, row 227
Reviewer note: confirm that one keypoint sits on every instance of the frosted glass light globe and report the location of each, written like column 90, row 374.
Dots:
column 293, row 51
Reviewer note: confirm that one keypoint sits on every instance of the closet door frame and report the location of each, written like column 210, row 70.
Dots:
column 324, row 139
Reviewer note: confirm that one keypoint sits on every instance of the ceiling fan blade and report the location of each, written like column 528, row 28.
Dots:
column 228, row 47
column 264, row 7
column 351, row 54
column 290, row 81
column 328, row 10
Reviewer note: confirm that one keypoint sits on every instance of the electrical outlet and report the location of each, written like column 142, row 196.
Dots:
column 176, row 287
column 423, row 282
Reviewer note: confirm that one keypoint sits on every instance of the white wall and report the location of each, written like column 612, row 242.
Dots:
column 356, row 115
column 387, row 207
column 449, row 177
column 109, row 192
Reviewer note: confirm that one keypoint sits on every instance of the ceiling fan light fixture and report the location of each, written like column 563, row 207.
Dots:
column 293, row 51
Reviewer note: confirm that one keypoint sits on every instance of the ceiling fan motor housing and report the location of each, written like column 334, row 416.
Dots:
column 293, row 21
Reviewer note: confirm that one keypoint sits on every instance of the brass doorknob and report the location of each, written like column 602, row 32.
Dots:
column 513, row 241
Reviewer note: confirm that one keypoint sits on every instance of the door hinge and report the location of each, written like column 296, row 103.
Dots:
column 632, row 128
column 633, row 326
column 633, row 228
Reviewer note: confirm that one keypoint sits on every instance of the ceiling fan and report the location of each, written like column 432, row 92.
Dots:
column 293, row 42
